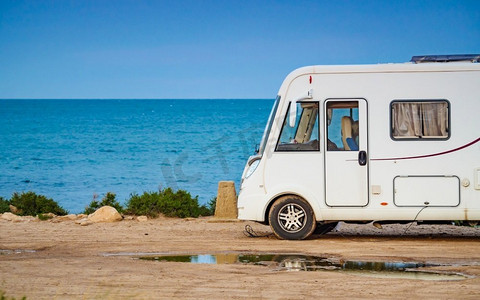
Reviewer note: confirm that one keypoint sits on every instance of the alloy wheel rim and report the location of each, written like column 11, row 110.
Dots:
column 292, row 218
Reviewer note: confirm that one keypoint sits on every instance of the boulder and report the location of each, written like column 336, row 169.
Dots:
column 29, row 219
column 70, row 217
column 14, row 209
column 105, row 214
column 83, row 222
column 86, row 222
column 8, row 216
column 79, row 221
column 142, row 219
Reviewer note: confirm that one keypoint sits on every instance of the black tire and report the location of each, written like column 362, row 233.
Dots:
column 291, row 218
column 323, row 228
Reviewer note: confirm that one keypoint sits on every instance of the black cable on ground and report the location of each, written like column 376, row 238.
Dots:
column 249, row 232
column 415, row 219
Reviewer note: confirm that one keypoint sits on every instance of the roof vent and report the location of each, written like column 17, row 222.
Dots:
column 474, row 58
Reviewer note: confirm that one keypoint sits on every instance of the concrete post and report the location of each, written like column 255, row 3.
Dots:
column 226, row 207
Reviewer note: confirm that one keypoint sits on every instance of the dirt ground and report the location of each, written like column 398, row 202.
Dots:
column 47, row 260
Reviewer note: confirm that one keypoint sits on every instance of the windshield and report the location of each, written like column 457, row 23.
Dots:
column 266, row 133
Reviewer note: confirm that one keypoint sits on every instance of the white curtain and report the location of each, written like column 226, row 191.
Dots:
column 420, row 119
column 406, row 120
column 434, row 119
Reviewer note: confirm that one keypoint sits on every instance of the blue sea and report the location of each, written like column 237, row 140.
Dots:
column 72, row 150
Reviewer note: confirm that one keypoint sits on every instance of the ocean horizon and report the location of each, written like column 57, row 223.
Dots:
column 72, row 150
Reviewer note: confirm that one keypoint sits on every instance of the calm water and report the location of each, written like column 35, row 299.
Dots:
column 70, row 150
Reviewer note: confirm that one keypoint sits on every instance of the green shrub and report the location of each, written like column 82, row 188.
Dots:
column 146, row 204
column 167, row 202
column 179, row 204
column 109, row 200
column 31, row 204
column 91, row 208
column 209, row 208
column 44, row 217
column 4, row 206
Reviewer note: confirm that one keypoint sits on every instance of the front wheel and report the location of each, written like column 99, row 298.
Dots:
column 292, row 218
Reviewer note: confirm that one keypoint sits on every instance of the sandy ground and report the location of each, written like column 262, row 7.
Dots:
column 73, row 261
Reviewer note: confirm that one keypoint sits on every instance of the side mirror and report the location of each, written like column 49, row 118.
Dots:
column 293, row 106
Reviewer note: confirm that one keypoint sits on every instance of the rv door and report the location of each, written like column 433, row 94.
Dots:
column 346, row 155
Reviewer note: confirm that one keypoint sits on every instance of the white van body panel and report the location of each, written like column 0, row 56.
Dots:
column 400, row 177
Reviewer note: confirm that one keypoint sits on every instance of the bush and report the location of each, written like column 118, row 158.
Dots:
column 209, row 209
column 167, row 202
column 179, row 204
column 44, row 217
column 109, row 200
column 4, row 206
column 31, row 204
column 146, row 204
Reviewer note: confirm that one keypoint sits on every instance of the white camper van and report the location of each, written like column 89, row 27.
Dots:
column 388, row 143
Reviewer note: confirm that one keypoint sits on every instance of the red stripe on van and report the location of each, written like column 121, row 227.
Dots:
column 431, row 155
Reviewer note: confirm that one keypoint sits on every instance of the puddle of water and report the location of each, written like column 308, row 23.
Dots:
column 295, row 262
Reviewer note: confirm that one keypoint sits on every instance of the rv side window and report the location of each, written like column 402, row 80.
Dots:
column 304, row 135
column 420, row 119
column 342, row 126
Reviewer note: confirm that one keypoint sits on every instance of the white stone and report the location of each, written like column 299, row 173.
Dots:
column 142, row 218
column 71, row 217
column 86, row 223
column 13, row 209
column 29, row 218
column 8, row 216
column 80, row 221
column 105, row 214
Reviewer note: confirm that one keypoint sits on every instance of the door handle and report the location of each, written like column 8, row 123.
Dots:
column 362, row 158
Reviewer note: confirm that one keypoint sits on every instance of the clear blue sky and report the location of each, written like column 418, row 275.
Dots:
column 211, row 49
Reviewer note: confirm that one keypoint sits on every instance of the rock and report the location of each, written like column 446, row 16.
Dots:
column 83, row 222
column 14, row 209
column 8, row 216
column 226, row 207
column 142, row 218
column 105, row 214
column 130, row 218
column 86, row 223
column 29, row 218
column 73, row 217
column 70, row 217
column 79, row 221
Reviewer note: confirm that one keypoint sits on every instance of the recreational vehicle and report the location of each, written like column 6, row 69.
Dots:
column 385, row 143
